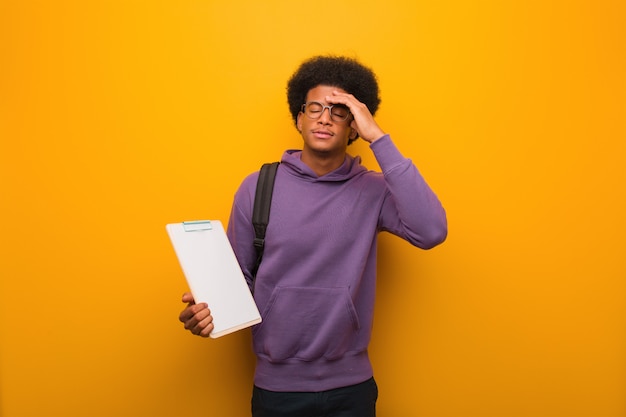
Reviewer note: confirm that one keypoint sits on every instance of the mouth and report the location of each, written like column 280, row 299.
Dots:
column 323, row 134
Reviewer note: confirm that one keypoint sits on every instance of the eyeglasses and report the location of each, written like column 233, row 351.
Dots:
column 314, row 110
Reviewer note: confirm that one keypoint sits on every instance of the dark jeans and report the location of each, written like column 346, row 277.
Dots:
column 353, row 401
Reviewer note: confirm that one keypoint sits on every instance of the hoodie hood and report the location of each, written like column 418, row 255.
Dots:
column 350, row 168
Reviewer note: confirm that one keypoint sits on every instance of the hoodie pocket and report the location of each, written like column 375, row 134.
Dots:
column 307, row 324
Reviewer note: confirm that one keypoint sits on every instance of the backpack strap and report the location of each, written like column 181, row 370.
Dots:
column 261, row 211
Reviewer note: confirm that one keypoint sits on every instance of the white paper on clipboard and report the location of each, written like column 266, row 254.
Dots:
column 213, row 274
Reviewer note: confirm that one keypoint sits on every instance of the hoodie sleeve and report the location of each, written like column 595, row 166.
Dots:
column 410, row 209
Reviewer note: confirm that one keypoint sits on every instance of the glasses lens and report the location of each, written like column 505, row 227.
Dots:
column 314, row 110
column 339, row 112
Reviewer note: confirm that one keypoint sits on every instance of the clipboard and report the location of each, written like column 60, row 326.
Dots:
column 213, row 274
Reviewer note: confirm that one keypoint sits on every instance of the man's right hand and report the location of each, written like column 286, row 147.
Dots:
column 197, row 318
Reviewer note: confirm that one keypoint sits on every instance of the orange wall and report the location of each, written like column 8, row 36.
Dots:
column 118, row 117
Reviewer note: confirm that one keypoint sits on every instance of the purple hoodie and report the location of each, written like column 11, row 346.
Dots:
column 316, row 285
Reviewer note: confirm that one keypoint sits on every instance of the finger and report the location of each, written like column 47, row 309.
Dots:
column 207, row 327
column 192, row 321
column 188, row 298
column 202, row 325
column 337, row 93
column 341, row 98
column 191, row 310
column 348, row 100
column 192, row 324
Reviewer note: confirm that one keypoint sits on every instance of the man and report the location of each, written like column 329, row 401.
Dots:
column 315, row 287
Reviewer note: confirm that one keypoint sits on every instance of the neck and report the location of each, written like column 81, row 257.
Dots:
column 321, row 162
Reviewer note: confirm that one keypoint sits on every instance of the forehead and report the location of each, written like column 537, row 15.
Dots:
column 319, row 93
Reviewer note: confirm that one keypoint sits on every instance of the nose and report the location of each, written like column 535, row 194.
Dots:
column 325, row 116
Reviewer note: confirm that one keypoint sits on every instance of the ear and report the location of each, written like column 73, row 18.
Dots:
column 298, row 122
column 353, row 134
